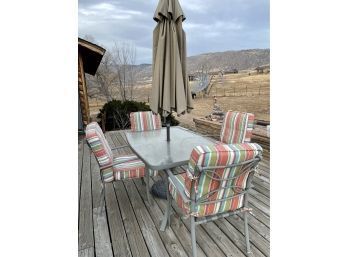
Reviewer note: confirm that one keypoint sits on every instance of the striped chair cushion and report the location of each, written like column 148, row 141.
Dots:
column 218, row 155
column 100, row 147
column 121, row 167
column 130, row 166
column 237, row 127
column 144, row 121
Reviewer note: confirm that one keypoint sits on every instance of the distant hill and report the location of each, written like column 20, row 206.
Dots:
column 240, row 60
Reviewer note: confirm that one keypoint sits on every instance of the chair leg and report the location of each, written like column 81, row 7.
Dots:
column 169, row 203
column 246, row 228
column 102, row 199
column 147, row 176
column 193, row 237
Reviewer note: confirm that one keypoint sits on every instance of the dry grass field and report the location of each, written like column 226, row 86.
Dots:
column 238, row 92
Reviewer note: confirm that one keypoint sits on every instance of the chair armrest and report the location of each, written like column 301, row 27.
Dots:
column 178, row 186
column 119, row 147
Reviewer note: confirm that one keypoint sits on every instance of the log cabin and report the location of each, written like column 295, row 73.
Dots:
column 89, row 58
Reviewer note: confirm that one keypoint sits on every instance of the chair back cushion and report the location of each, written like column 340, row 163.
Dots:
column 144, row 121
column 237, row 127
column 100, row 147
column 206, row 182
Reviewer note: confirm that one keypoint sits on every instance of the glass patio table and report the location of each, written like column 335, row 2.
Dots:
column 157, row 153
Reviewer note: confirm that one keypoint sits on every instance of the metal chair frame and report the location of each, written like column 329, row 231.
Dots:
column 247, row 167
column 102, row 193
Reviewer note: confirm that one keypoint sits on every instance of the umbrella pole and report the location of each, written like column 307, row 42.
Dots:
column 168, row 128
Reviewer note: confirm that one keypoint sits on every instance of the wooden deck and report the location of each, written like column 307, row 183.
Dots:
column 129, row 226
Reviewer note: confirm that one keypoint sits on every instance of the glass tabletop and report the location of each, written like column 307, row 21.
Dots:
column 157, row 153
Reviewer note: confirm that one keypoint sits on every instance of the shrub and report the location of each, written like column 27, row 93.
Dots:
column 116, row 114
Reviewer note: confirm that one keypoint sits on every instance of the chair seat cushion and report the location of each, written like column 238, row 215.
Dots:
column 129, row 166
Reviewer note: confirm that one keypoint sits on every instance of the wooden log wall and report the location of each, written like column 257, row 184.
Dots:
column 82, row 89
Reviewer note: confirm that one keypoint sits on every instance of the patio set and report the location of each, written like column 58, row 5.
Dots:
column 207, row 180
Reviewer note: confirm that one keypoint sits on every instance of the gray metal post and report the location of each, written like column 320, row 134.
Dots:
column 246, row 228
column 147, row 175
column 193, row 237
column 167, row 211
column 169, row 202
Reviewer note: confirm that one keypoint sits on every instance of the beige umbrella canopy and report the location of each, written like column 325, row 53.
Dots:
column 170, row 88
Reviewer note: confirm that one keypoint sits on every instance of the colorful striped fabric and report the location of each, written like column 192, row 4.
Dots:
column 101, row 149
column 113, row 168
column 209, row 156
column 130, row 166
column 237, row 127
column 144, row 121
column 126, row 167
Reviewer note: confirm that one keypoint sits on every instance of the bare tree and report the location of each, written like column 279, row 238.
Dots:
column 116, row 74
column 106, row 76
column 203, row 76
column 124, row 57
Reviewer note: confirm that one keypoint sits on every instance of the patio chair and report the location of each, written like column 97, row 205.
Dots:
column 237, row 127
column 145, row 121
column 215, row 184
column 113, row 167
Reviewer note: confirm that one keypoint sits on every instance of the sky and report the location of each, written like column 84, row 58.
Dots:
column 210, row 25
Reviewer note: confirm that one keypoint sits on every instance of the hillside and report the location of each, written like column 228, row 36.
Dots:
column 240, row 60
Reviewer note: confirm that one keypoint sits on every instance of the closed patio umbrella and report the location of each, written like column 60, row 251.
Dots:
column 170, row 88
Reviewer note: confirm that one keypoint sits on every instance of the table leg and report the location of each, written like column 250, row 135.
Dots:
column 167, row 211
column 147, row 176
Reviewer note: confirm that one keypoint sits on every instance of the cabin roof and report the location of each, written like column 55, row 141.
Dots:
column 91, row 55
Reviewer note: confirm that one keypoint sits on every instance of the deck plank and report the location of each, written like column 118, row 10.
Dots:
column 103, row 246
column 259, row 215
column 133, row 231
column 97, row 184
column 259, row 227
column 259, row 196
column 118, row 233
column 260, row 187
column 86, row 238
column 259, row 205
column 224, row 243
column 147, row 226
column 117, row 230
column 171, row 237
column 255, row 238
column 87, row 252
column 80, row 165
column 237, row 237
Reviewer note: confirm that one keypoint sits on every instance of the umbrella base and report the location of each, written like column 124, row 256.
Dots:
column 159, row 189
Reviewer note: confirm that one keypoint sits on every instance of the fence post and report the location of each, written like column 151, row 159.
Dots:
column 246, row 90
column 260, row 90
